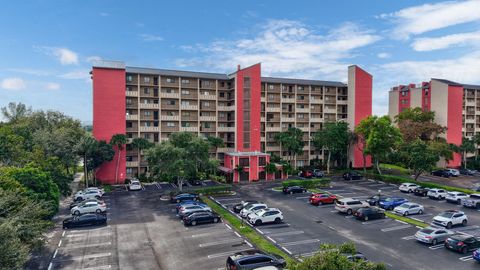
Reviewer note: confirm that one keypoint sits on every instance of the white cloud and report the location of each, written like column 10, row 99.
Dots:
column 383, row 55
column 428, row 17
column 76, row 75
column 65, row 56
column 52, row 86
column 93, row 59
column 150, row 37
column 13, row 83
column 285, row 48
column 437, row 43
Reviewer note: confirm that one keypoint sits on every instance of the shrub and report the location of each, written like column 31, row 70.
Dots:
column 319, row 182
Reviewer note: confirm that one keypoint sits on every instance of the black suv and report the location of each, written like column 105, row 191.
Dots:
column 462, row 243
column 294, row 189
column 253, row 259
column 441, row 173
column 84, row 220
column 352, row 175
column 200, row 218
column 369, row 213
column 421, row 191
column 374, row 200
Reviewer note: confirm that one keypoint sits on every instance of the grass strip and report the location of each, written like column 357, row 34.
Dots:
column 248, row 232
column 406, row 219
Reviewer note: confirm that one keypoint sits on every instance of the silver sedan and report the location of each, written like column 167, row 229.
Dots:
column 409, row 208
column 432, row 235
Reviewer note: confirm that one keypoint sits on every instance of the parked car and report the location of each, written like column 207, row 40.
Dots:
column 77, row 203
column 421, row 191
column 252, row 208
column 466, row 172
column 185, row 203
column 239, row 206
column 134, row 185
column 409, row 208
column 476, row 255
column 253, row 259
column 369, row 213
column 294, row 189
column 450, row 218
column 319, row 198
column 318, row 173
column 352, row 175
column 441, row 173
column 358, row 256
column 408, row 187
column 462, row 243
column 195, row 182
column 392, row 202
column 266, row 215
column 87, row 194
column 305, row 174
column 184, row 210
column 348, row 205
column 455, row 197
column 437, row 193
column 196, row 218
column 432, row 235
column 84, row 220
column 184, row 197
column 100, row 190
column 473, row 201
column 375, row 199
column 89, row 207
column 453, row 172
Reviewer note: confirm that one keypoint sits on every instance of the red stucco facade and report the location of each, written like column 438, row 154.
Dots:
column 454, row 121
column 109, row 117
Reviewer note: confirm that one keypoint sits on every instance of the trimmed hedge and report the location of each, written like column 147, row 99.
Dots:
column 208, row 190
column 319, row 182
column 394, row 179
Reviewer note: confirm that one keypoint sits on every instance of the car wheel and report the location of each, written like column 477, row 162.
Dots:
column 420, row 212
column 258, row 222
column 434, row 242
column 390, row 208
column 97, row 197
column 278, row 220
column 193, row 223
column 321, row 202
column 304, row 190
column 464, row 250
column 178, row 201
column 477, row 205
column 98, row 211
column 449, row 225
column 76, row 213
column 349, row 211
column 410, row 191
column 405, row 213
column 464, row 222
column 215, row 220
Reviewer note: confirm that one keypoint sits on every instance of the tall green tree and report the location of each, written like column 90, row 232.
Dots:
column 118, row 140
column 99, row 153
column 382, row 138
column 215, row 142
column 415, row 123
column 291, row 141
column 467, row 146
column 334, row 138
column 140, row 144
column 84, row 148
column 15, row 111
column 362, row 131
column 418, row 157
column 476, row 140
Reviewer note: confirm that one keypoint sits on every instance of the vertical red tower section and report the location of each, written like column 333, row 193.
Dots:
column 426, row 94
column 109, row 117
column 403, row 98
column 360, row 96
column 454, row 120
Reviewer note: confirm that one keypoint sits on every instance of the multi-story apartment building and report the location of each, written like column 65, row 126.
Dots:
column 456, row 106
column 243, row 108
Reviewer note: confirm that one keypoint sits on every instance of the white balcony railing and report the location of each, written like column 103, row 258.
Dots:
column 288, row 100
column 273, row 109
column 132, row 94
column 189, row 107
column 303, row 110
column 169, row 117
column 225, row 150
column 132, row 163
column 208, row 97
column 190, row 129
column 288, row 119
column 149, row 129
column 226, row 129
column 226, row 108
column 169, row 95
column 131, row 117
column 273, row 129
column 149, row 106
column 208, row 118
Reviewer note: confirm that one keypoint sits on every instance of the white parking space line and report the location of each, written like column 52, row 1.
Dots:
column 409, row 237
column 346, row 194
column 102, row 267
column 224, row 254
column 87, row 245
column 302, row 198
column 286, row 233
column 90, row 256
column 302, row 242
column 88, row 234
column 271, row 239
column 288, row 251
column 439, row 246
column 466, row 258
column 221, row 242
column 229, row 199
column 395, row 228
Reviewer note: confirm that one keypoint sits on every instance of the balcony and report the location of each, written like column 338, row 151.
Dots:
column 262, row 119
column 273, row 129
column 470, row 120
column 225, row 108
column 262, row 99
column 303, row 110
column 169, row 95
column 272, row 148
column 208, row 118
column 288, row 119
column 273, row 109
column 149, row 129
column 149, row 106
column 190, row 129
column 132, row 164
column 208, row 97
column 288, row 100
column 304, row 129
column 189, row 107
column 316, row 101
column 131, row 93
column 169, row 117
column 131, row 116
column 327, row 110
column 226, row 129
column 225, row 150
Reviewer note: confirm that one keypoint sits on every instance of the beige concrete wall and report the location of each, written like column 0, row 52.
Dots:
column 351, row 97
column 416, row 98
column 439, row 102
column 393, row 104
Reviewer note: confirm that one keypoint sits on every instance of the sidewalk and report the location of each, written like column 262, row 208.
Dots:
column 41, row 259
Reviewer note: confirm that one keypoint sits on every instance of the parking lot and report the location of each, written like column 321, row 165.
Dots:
column 143, row 232
column 386, row 240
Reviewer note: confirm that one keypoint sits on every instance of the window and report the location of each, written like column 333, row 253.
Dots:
column 206, row 104
column 170, row 113
column 171, row 102
column 170, row 80
column 146, row 91
column 185, row 124
column 185, row 102
column 168, row 90
column 185, row 92
column 244, row 162
column 271, row 87
column 185, row 81
column 271, row 97
column 170, row 124
column 147, row 124
column 147, row 113
column 301, row 97
column 221, row 114
column 185, row 113
column 129, row 78
column 222, row 94
column 129, row 101
column 206, row 125
column 129, row 124
column 129, row 170
column 146, row 79
column 262, row 161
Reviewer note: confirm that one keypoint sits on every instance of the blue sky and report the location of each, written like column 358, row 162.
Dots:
column 47, row 47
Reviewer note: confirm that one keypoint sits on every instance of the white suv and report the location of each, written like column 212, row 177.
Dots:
column 436, row 193
column 453, row 172
column 408, row 187
column 265, row 216
column 455, row 197
column 88, row 194
column 348, row 205
column 252, row 208
column 89, row 207
column 450, row 218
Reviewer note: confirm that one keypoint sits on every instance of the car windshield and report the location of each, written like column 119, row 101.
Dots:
column 404, row 206
column 426, row 231
column 389, row 199
column 260, row 212
column 250, row 206
column 446, row 214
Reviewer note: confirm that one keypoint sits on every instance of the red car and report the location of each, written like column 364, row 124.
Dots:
column 319, row 198
column 305, row 174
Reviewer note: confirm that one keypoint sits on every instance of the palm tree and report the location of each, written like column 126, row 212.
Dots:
column 118, row 140
column 476, row 140
column 84, row 147
column 140, row 144
column 467, row 146
column 270, row 168
column 215, row 142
